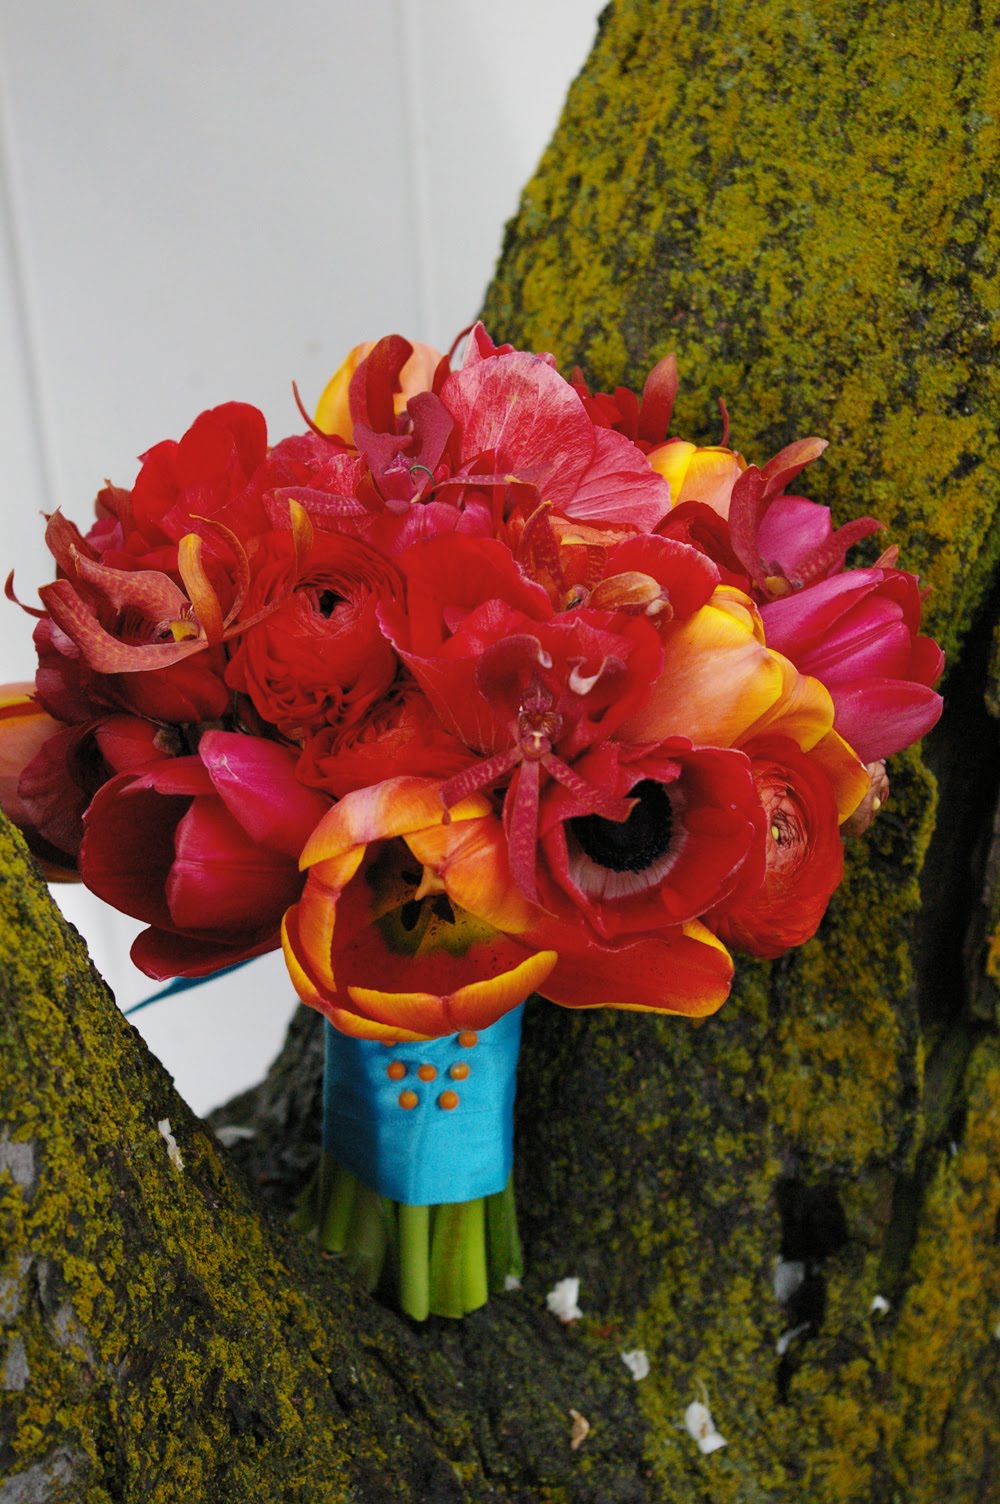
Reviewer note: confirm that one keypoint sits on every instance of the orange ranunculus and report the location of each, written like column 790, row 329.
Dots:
column 408, row 927
column 804, row 713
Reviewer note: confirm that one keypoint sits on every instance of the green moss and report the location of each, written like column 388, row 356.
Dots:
column 793, row 199
column 161, row 1316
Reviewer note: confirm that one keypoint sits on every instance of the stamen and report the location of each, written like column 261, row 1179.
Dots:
column 633, row 844
column 309, row 422
column 199, row 588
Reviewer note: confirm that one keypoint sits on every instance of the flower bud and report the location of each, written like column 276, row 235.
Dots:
column 870, row 805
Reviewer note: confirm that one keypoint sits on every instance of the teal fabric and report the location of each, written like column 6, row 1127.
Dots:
column 425, row 1154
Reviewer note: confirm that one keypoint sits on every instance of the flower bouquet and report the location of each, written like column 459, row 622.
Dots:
column 480, row 687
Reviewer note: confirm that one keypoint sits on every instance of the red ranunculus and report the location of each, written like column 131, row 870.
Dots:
column 799, row 859
column 204, row 849
column 400, row 736
column 320, row 658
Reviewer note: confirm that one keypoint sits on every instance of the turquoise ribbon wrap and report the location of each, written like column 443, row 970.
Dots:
column 430, row 1151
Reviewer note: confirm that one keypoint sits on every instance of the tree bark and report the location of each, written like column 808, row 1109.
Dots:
column 798, row 201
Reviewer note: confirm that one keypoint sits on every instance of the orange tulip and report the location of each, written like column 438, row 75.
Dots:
column 410, row 927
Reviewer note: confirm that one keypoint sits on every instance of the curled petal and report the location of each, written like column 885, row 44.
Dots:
column 148, row 593
column 686, row 970
column 102, row 651
column 199, row 588
column 393, row 808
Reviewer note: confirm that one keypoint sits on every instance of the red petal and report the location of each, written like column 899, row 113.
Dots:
column 683, row 971
column 882, row 716
column 789, row 462
column 256, row 780
column 162, row 954
column 221, row 879
column 658, row 396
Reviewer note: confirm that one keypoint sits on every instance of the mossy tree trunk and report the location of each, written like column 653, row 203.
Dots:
column 797, row 199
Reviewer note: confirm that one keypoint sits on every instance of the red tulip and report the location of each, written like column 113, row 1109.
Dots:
column 204, row 849
column 58, row 784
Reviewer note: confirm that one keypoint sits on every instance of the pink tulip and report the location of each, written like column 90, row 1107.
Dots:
column 858, row 633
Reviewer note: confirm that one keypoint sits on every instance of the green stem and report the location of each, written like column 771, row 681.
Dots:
column 367, row 1237
column 414, row 1260
column 307, row 1209
column 475, row 1282
column 446, row 1261
column 336, row 1211
column 504, row 1255
column 439, row 1260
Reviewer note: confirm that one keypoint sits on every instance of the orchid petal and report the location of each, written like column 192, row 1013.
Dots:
column 201, row 592
column 102, row 651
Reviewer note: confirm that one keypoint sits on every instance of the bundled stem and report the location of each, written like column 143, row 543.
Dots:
column 432, row 1260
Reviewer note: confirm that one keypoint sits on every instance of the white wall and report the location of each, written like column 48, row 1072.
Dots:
column 200, row 202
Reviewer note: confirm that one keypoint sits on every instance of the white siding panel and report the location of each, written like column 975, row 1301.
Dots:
column 489, row 83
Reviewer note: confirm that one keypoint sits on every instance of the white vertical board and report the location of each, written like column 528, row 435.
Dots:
column 203, row 201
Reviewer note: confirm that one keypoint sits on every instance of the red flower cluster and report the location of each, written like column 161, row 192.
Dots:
column 481, row 686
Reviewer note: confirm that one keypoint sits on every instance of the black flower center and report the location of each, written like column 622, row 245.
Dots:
column 328, row 602
column 634, row 844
